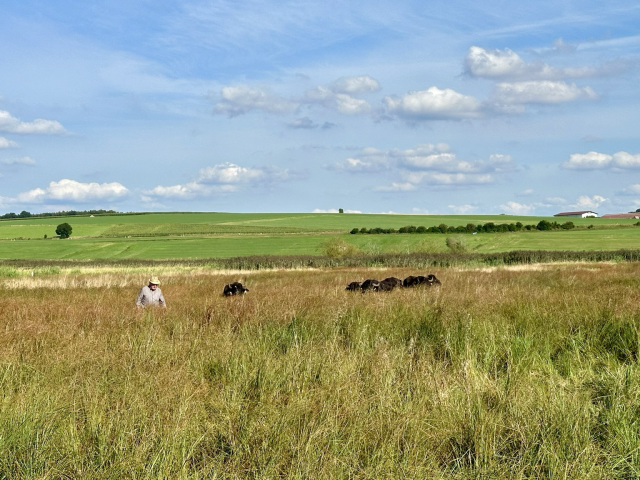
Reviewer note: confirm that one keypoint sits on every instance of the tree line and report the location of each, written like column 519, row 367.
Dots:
column 64, row 213
column 489, row 227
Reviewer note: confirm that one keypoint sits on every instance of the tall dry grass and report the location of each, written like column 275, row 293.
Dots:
column 499, row 373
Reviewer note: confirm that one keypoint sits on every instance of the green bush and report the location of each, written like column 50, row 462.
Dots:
column 64, row 230
column 337, row 247
column 456, row 244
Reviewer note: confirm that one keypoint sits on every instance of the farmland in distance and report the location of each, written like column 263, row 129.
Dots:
column 223, row 235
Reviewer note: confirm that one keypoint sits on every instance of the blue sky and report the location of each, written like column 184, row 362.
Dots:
column 300, row 106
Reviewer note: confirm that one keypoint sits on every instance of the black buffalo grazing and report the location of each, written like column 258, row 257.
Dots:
column 412, row 281
column 370, row 284
column 235, row 288
column 353, row 286
column 389, row 284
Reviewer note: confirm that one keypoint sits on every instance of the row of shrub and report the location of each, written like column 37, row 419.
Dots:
column 412, row 260
column 468, row 228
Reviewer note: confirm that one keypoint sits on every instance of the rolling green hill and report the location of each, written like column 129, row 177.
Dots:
column 207, row 235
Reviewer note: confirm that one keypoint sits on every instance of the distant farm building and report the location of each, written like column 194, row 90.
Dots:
column 622, row 215
column 582, row 214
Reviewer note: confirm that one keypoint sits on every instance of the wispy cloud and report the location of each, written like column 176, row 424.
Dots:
column 18, row 161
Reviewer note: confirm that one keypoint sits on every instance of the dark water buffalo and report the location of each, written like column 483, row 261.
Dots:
column 389, row 284
column 412, row 281
column 353, row 286
column 235, row 288
column 370, row 284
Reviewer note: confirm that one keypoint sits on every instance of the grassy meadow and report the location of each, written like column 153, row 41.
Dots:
column 512, row 372
column 226, row 235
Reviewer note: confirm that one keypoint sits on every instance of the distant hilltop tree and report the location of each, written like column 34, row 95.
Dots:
column 64, row 230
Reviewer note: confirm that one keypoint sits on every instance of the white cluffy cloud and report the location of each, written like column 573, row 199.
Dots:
column 587, row 202
column 241, row 99
column 351, row 85
column 601, row 161
column 341, row 102
column 9, row 123
column 507, row 64
column 72, row 191
column 219, row 179
column 433, row 103
column 515, row 208
column 426, row 164
column 5, row 143
column 541, row 91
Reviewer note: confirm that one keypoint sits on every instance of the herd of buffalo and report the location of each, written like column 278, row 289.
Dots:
column 392, row 282
column 236, row 288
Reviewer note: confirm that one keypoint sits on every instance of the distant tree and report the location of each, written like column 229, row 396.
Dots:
column 340, row 210
column 63, row 230
column 544, row 225
column 638, row 210
column 355, row 231
column 24, row 214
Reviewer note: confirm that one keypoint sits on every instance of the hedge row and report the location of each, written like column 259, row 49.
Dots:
column 468, row 228
column 412, row 260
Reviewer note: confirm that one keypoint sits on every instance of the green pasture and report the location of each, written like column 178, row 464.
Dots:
column 158, row 224
column 225, row 246
column 223, row 235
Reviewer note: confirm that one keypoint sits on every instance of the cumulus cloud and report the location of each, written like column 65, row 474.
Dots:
column 585, row 202
column 426, row 164
column 507, row 64
column 543, row 91
column 242, row 99
column 601, row 161
column 342, row 102
column 9, row 123
column 18, row 161
column 5, row 143
column 72, row 191
column 433, row 104
column 516, row 208
column 220, row 179
column 351, row 85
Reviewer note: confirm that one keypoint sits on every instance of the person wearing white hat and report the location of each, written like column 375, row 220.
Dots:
column 151, row 294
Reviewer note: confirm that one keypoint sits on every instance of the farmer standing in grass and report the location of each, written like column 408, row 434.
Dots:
column 150, row 294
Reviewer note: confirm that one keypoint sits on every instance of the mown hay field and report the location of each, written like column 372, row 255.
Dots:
column 228, row 246
column 511, row 372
